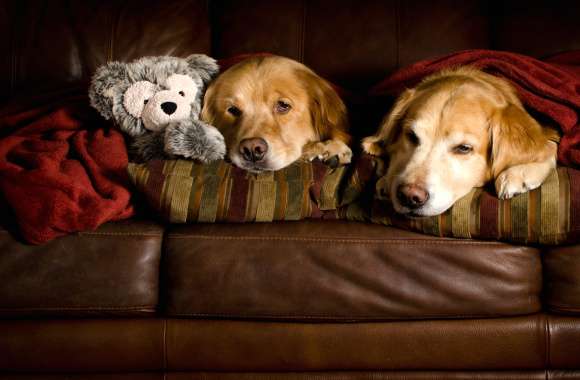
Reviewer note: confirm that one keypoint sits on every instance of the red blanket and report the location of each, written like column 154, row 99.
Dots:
column 550, row 88
column 62, row 170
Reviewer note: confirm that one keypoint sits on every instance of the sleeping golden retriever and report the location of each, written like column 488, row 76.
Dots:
column 456, row 130
column 273, row 111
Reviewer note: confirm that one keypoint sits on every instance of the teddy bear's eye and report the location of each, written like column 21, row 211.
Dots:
column 137, row 96
column 183, row 85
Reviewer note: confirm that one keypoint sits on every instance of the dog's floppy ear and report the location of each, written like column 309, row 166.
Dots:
column 208, row 111
column 516, row 138
column 103, row 88
column 205, row 66
column 327, row 110
column 376, row 144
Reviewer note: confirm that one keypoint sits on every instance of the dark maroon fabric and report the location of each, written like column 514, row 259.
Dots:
column 550, row 88
column 574, row 205
column 62, row 170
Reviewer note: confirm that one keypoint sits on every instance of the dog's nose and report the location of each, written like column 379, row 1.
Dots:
column 168, row 107
column 412, row 196
column 253, row 149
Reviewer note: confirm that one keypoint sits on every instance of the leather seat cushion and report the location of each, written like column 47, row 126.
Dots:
column 336, row 270
column 111, row 271
column 562, row 279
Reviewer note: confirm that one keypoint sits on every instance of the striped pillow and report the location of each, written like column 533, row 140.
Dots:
column 547, row 215
column 185, row 192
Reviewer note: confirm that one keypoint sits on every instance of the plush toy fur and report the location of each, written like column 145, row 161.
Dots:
column 156, row 101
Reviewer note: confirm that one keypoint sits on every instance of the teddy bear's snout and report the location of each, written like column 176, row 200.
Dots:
column 163, row 108
column 168, row 107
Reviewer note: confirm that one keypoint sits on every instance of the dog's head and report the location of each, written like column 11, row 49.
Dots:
column 268, row 108
column 455, row 131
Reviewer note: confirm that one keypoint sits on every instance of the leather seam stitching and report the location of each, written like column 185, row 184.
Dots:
column 79, row 308
column 117, row 234
column 547, row 342
column 340, row 318
column 564, row 309
column 338, row 240
column 164, row 346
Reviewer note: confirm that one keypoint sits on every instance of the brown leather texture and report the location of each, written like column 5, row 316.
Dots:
column 111, row 271
column 55, row 42
column 130, row 345
column 391, row 375
column 562, row 279
column 351, row 375
column 534, row 342
column 335, row 270
column 564, row 338
column 90, row 376
column 305, row 300
column 361, row 43
column 82, row 345
column 473, row 344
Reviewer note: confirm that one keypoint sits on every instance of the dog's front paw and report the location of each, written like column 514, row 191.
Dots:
column 515, row 181
column 331, row 152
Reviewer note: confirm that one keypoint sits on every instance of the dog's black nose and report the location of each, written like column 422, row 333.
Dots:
column 412, row 196
column 253, row 149
column 168, row 107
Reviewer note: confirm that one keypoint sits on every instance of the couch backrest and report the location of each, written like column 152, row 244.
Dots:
column 352, row 42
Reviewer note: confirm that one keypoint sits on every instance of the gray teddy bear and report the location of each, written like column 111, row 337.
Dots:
column 156, row 101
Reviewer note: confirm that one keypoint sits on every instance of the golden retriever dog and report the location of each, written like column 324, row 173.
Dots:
column 273, row 111
column 459, row 129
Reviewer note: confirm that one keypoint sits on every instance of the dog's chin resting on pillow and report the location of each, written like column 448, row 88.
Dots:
column 459, row 129
column 273, row 111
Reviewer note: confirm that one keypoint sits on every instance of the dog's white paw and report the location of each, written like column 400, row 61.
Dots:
column 514, row 181
column 332, row 152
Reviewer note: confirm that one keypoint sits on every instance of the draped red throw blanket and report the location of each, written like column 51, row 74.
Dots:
column 62, row 170
column 551, row 88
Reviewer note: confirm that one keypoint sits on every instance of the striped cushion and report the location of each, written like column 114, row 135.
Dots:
column 185, row 192
column 547, row 215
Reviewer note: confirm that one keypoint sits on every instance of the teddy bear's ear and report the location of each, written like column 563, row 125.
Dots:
column 205, row 66
column 104, row 87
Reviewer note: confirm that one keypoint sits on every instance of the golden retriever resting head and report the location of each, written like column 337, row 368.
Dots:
column 456, row 130
column 273, row 110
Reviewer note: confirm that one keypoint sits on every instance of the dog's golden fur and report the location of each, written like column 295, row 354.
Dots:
column 456, row 130
column 281, row 102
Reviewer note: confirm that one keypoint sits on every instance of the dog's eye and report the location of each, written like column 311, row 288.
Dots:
column 412, row 137
column 181, row 93
column 235, row 111
column 463, row 149
column 282, row 106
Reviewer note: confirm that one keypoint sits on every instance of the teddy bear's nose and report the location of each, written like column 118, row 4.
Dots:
column 168, row 107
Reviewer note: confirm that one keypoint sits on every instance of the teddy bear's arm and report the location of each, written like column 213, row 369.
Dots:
column 148, row 146
column 194, row 139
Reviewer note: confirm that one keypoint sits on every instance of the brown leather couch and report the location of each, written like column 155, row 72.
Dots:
column 306, row 300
